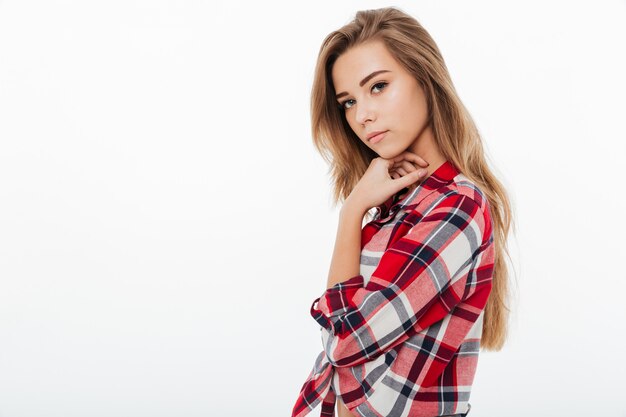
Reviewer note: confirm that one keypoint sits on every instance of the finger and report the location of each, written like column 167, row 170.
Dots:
column 398, row 159
column 413, row 177
column 400, row 164
column 401, row 171
column 408, row 166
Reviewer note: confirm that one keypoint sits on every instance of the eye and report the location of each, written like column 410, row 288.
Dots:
column 378, row 85
column 382, row 83
column 343, row 104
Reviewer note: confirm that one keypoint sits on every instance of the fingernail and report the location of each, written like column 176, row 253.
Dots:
column 421, row 172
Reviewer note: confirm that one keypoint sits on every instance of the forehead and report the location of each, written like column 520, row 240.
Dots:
column 359, row 61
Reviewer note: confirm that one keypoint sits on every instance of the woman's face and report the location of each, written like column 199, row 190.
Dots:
column 378, row 94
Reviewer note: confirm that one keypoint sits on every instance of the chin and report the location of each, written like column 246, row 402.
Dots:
column 388, row 154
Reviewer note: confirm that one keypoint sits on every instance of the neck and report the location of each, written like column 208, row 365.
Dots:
column 426, row 148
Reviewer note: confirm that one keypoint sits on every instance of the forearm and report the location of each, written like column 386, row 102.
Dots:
column 347, row 253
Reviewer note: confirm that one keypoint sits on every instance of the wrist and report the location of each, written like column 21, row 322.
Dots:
column 353, row 208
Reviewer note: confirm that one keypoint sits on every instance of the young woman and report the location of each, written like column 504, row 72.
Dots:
column 414, row 293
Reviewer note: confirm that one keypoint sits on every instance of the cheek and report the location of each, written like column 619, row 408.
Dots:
column 396, row 100
column 398, row 111
column 419, row 105
column 353, row 125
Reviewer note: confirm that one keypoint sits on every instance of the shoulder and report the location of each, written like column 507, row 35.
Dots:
column 459, row 194
column 468, row 188
column 463, row 186
column 454, row 189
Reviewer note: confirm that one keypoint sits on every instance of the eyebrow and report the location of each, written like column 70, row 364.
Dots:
column 363, row 81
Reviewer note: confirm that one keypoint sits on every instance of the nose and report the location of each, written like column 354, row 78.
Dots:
column 364, row 112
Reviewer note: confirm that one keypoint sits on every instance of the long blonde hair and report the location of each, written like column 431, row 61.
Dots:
column 454, row 131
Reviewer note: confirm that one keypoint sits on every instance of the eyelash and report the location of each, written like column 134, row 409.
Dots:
column 342, row 105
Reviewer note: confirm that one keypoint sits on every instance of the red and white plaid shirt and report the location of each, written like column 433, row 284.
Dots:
column 402, row 338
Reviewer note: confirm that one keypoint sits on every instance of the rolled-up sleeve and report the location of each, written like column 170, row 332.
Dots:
column 330, row 309
column 419, row 279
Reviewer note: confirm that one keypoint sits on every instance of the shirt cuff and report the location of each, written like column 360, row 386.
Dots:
column 331, row 307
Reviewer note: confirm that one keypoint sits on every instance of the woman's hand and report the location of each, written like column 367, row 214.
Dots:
column 385, row 177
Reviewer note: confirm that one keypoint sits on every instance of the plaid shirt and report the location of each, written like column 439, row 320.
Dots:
column 402, row 338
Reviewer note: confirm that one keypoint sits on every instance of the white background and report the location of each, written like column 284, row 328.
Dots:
column 165, row 222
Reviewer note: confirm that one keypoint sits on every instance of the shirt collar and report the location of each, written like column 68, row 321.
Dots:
column 442, row 176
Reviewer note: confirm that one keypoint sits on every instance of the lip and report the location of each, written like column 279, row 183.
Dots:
column 372, row 134
column 376, row 137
